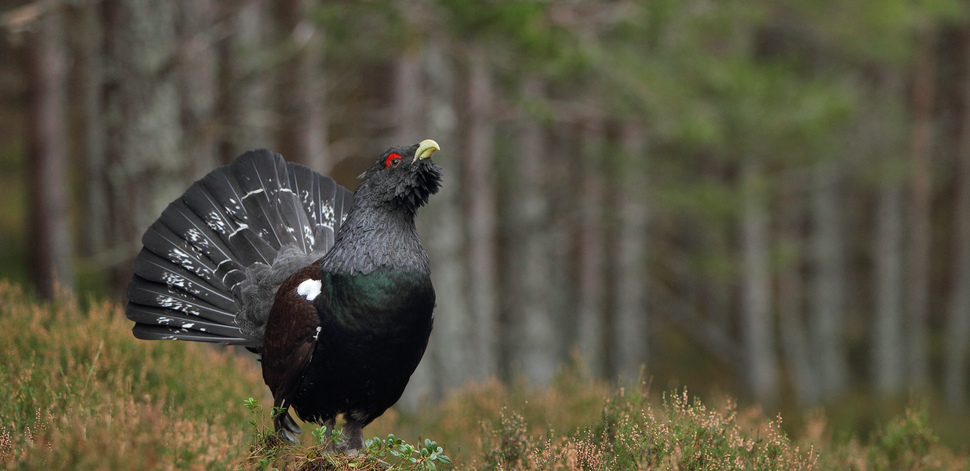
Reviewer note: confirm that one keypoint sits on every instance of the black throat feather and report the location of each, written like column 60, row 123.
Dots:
column 379, row 231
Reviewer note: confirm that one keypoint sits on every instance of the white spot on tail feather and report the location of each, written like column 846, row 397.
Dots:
column 251, row 193
column 241, row 227
column 317, row 333
column 310, row 289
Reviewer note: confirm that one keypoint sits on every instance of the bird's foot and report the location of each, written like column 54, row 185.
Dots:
column 288, row 436
column 287, row 428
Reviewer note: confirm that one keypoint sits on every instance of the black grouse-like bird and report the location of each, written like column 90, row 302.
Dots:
column 333, row 290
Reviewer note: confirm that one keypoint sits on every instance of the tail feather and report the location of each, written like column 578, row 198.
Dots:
column 237, row 240
column 154, row 332
column 311, row 190
column 269, row 205
column 174, row 299
column 207, row 264
column 155, row 269
column 173, row 322
column 197, row 251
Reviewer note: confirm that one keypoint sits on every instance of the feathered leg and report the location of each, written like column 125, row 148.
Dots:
column 353, row 437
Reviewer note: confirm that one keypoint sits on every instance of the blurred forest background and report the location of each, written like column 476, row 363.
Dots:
column 767, row 197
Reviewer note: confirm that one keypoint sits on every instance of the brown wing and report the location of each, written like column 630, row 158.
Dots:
column 291, row 333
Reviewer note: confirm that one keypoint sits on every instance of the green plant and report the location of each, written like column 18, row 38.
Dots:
column 426, row 457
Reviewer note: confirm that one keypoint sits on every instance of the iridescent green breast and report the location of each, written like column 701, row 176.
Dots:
column 384, row 301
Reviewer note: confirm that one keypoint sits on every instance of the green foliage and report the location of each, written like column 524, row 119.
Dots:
column 427, row 457
column 905, row 443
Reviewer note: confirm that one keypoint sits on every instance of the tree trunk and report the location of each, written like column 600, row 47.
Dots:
column 918, row 249
column 243, row 94
column 196, row 81
column 629, row 336
column 828, row 283
column 408, row 95
column 795, row 343
column 757, row 327
column 478, row 201
column 50, row 241
column 888, row 374
column 592, row 241
column 958, row 320
column 530, row 336
column 228, row 105
column 90, row 75
column 145, row 161
column 301, row 132
column 563, row 181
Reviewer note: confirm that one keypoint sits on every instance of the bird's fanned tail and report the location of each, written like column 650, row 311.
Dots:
column 211, row 262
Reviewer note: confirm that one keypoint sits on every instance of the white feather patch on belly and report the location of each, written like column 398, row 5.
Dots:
column 310, row 289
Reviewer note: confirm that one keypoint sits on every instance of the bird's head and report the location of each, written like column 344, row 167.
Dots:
column 403, row 177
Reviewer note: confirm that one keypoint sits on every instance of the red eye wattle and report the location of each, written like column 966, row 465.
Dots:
column 393, row 160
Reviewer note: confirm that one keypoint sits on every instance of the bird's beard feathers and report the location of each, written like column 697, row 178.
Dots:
column 379, row 231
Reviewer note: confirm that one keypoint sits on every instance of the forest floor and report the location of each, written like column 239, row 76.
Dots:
column 81, row 393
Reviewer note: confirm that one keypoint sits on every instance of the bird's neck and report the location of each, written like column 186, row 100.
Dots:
column 376, row 238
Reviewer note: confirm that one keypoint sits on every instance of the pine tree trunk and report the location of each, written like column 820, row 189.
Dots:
column 958, row 320
column 50, row 242
column 629, row 337
column 90, row 76
column 243, row 94
column 562, row 179
column 888, row 374
column 145, row 161
column 478, row 201
column 828, row 282
column 918, row 249
column 408, row 94
column 795, row 346
column 592, row 253
column 757, row 326
column 228, row 105
column 196, row 82
column 530, row 335
column 301, row 132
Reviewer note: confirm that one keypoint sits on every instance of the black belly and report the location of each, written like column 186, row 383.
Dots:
column 373, row 334
column 360, row 375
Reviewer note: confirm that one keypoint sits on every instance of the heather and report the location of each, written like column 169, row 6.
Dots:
column 81, row 393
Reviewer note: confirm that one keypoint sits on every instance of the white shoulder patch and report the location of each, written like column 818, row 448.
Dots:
column 310, row 289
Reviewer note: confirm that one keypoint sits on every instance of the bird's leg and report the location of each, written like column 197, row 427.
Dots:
column 332, row 445
column 353, row 436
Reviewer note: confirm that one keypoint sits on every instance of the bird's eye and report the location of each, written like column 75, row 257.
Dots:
column 393, row 160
